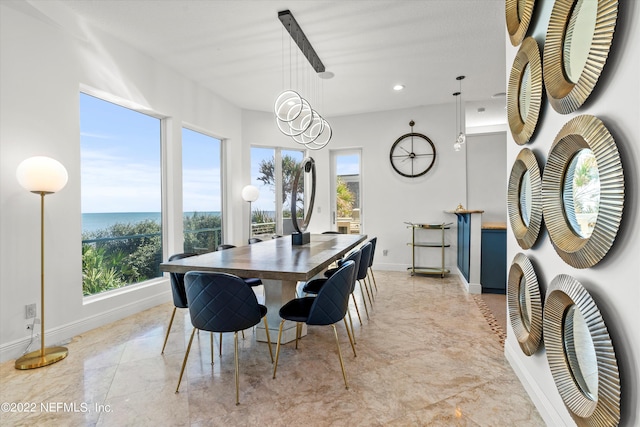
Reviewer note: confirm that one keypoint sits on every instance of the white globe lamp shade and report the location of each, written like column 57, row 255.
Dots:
column 250, row 193
column 42, row 174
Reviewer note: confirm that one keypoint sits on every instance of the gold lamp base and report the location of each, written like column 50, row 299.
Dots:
column 35, row 359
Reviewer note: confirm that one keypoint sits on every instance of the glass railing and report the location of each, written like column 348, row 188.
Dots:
column 116, row 261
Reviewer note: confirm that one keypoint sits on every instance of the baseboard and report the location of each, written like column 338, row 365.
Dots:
column 542, row 403
column 472, row 288
column 62, row 334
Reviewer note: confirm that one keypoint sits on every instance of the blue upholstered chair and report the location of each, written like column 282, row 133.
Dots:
column 220, row 302
column 361, row 274
column 373, row 241
column 327, row 308
column 312, row 287
column 178, row 292
column 251, row 281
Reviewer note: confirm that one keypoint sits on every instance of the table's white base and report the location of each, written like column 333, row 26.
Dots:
column 288, row 332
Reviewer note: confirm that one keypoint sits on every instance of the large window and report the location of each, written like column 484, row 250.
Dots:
column 273, row 172
column 347, row 209
column 121, row 195
column 201, row 192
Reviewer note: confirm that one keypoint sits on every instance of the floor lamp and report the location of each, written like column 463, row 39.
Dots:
column 250, row 194
column 41, row 175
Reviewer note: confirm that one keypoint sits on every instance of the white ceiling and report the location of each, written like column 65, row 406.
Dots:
column 236, row 48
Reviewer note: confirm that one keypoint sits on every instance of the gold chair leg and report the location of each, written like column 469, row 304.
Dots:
column 353, row 347
column 344, row 374
column 364, row 300
column 168, row 329
column 374, row 278
column 243, row 334
column 275, row 364
column 298, row 333
column 356, row 306
column 220, row 344
column 235, row 344
column 367, row 289
column 211, row 335
column 186, row 356
column 266, row 329
column 353, row 331
column 368, row 279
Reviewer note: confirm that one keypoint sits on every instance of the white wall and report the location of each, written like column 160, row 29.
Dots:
column 486, row 186
column 614, row 283
column 388, row 199
column 43, row 66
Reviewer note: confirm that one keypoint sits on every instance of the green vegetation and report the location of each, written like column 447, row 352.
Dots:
column 290, row 167
column 344, row 199
column 124, row 254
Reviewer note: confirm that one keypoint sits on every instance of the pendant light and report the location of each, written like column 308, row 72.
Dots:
column 461, row 138
column 457, row 145
column 294, row 115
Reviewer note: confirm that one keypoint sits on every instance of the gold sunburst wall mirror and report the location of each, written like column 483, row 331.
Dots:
column 524, row 199
column 577, row 44
column 524, row 304
column 580, row 354
column 583, row 191
column 524, row 92
column 518, row 15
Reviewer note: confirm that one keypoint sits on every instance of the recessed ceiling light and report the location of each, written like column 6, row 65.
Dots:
column 481, row 109
column 398, row 88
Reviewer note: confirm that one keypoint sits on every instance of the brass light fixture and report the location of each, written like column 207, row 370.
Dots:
column 41, row 175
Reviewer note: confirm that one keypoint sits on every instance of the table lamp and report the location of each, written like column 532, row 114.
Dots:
column 41, row 175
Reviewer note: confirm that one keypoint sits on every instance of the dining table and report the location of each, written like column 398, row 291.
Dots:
column 279, row 264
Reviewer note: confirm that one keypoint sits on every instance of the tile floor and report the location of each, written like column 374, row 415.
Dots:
column 426, row 357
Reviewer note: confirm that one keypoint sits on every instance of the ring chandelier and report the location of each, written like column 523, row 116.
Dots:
column 294, row 115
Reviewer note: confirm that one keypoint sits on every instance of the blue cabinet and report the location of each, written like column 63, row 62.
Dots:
column 493, row 273
column 464, row 242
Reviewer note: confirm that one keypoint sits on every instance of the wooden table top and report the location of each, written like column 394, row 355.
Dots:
column 275, row 259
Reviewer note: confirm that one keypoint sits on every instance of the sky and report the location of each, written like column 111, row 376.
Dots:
column 121, row 164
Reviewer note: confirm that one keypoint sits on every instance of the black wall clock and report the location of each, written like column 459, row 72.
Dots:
column 413, row 154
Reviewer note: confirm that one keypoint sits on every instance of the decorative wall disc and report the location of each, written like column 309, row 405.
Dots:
column 580, row 354
column 524, row 304
column 569, row 82
column 518, row 15
column 524, row 199
column 524, row 94
column 576, row 247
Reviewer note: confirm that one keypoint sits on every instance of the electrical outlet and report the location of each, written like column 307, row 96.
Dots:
column 385, row 252
column 30, row 311
column 32, row 324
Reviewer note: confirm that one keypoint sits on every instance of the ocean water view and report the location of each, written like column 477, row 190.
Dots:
column 99, row 221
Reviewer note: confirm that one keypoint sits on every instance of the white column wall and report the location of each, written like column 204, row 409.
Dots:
column 613, row 283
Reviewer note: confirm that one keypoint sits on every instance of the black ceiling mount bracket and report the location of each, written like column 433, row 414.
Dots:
column 296, row 33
